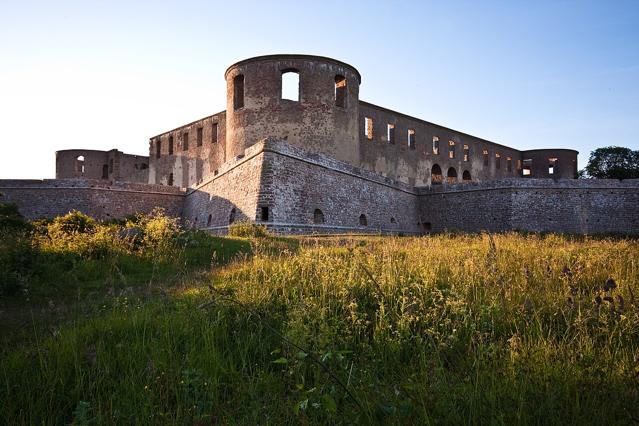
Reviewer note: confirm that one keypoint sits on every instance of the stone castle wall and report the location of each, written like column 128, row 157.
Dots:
column 97, row 198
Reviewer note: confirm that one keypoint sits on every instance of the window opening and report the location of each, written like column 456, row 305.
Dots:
column 318, row 216
column 368, row 128
column 158, row 148
column 232, row 216
column 486, row 159
column 451, row 175
column 170, row 179
column 552, row 165
column 238, row 91
column 435, row 145
column 264, row 213
column 199, row 136
column 185, row 141
column 411, row 138
column 466, row 153
column 105, row 171
column 214, row 133
column 340, row 91
column 527, row 167
column 362, row 220
column 509, row 164
column 497, row 160
column 390, row 133
column 291, row 85
column 451, row 149
column 170, row 145
column 436, row 175
column 466, row 176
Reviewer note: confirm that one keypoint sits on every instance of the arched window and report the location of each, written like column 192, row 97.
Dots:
column 80, row 164
column 208, row 221
column 318, row 216
column 436, row 175
column 291, row 84
column 340, row 91
column 170, row 179
column 238, row 91
column 452, row 175
column 232, row 216
column 362, row 220
column 466, row 176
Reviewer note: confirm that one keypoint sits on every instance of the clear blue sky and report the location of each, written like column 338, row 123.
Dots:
column 105, row 75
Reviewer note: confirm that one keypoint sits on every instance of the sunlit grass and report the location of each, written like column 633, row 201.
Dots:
column 506, row 329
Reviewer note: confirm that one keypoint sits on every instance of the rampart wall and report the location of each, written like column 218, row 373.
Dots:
column 536, row 205
column 99, row 199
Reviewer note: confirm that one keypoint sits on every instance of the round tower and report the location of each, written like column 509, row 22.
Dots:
column 309, row 101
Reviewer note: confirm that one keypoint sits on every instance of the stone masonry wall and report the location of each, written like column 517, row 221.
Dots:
column 537, row 205
column 96, row 198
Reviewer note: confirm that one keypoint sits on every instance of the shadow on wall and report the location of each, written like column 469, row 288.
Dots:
column 206, row 211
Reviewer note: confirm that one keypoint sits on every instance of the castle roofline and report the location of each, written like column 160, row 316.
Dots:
column 289, row 56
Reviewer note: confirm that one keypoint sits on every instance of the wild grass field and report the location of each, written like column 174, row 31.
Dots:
column 142, row 322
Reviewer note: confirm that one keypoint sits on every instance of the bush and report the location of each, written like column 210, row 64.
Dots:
column 247, row 230
column 11, row 219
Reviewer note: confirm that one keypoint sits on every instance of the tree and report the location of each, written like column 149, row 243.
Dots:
column 613, row 162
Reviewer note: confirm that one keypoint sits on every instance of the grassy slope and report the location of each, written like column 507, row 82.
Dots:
column 445, row 329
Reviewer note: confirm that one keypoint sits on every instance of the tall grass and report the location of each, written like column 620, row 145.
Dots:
column 505, row 329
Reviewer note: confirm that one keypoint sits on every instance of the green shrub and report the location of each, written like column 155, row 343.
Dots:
column 248, row 230
column 11, row 219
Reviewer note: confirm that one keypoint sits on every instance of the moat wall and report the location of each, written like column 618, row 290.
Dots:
column 97, row 198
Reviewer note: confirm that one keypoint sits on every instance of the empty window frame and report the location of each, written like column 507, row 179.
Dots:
column 518, row 164
column 232, row 216
column 80, row 164
column 390, row 133
column 291, row 85
column 368, row 128
column 170, row 179
column 214, row 127
column 435, row 145
column 238, row 91
column 497, row 160
column 509, row 164
column 318, row 216
column 341, row 94
column 199, row 136
column 486, row 158
column 105, row 171
column 527, row 167
column 451, row 149
column 209, row 220
column 466, row 176
column 451, row 176
column 185, row 141
column 552, row 165
column 170, row 145
column 158, row 148
column 362, row 220
column 466, row 153
column 436, row 175
column 411, row 138
column 264, row 213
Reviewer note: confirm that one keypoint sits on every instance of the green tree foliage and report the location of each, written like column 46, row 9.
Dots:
column 613, row 162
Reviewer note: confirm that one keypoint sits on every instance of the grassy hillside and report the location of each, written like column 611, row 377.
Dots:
column 191, row 329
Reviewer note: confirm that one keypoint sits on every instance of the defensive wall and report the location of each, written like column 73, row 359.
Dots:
column 97, row 198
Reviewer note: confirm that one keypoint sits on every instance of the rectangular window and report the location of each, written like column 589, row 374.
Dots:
column 185, row 141
column 264, row 214
column 486, row 159
column 552, row 166
column 368, row 128
column 451, row 149
column 411, row 138
column 390, row 133
column 466, row 153
column 518, row 164
column 214, row 133
column 158, row 148
column 527, row 167
column 170, row 145
column 199, row 136
column 435, row 145
column 509, row 164
column 340, row 91
column 497, row 160
column 238, row 91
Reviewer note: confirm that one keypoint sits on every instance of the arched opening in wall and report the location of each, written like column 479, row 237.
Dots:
column 80, row 164
column 208, row 221
column 291, row 84
column 170, row 179
column 452, row 175
column 105, row 171
column 340, row 91
column 318, row 216
column 466, row 176
column 436, row 175
column 427, row 226
column 232, row 216
column 393, row 220
column 238, row 91
column 362, row 220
